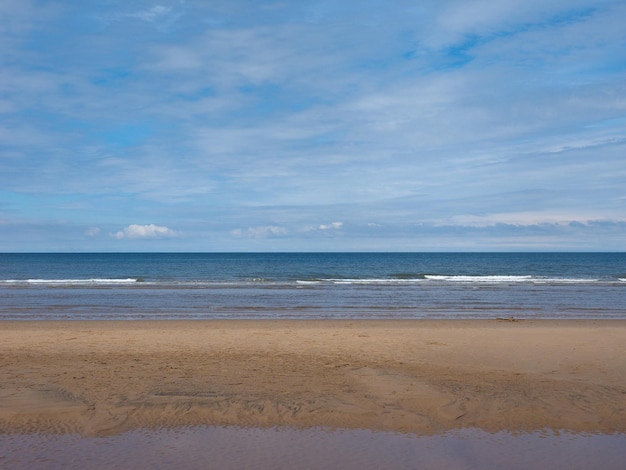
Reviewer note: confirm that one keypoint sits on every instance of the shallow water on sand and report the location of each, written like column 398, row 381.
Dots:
column 317, row 448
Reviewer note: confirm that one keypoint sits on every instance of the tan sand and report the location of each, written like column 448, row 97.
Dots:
column 99, row 378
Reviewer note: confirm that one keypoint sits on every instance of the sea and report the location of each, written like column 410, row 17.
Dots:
column 176, row 286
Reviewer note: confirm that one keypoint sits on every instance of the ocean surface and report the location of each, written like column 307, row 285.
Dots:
column 131, row 286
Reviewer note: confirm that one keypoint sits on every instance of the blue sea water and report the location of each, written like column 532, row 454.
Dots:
column 312, row 285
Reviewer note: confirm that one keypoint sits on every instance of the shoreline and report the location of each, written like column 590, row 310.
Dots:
column 104, row 377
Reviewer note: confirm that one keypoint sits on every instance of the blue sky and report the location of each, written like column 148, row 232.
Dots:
column 265, row 125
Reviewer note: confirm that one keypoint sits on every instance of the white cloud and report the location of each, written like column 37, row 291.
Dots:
column 159, row 16
column 528, row 219
column 331, row 226
column 145, row 231
column 92, row 231
column 151, row 14
column 261, row 232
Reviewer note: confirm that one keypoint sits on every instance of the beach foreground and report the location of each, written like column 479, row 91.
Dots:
column 101, row 378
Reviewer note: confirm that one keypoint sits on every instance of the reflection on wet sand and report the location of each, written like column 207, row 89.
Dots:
column 315, row 448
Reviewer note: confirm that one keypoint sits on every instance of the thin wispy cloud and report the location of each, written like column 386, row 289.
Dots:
column 260, row 232
column 251, row 126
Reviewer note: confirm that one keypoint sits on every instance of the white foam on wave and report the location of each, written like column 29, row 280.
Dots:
column 447, row 278
column 479, row 278
column 512, row 279
column 375, row 281
column 565, row 281
column 70, row 281
column 359, row 281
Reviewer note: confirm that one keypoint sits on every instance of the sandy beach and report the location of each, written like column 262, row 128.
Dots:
column 102, row 378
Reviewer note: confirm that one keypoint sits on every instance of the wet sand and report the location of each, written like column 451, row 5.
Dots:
column 104, row 378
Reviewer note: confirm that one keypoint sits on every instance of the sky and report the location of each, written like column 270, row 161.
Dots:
column 339, row 125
